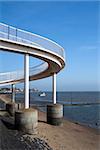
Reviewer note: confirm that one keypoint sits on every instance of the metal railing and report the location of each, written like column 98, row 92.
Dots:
column 17, row 75
column 14, row 34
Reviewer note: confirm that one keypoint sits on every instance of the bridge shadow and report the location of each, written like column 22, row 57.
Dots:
column 8, row 123
column 42, row 121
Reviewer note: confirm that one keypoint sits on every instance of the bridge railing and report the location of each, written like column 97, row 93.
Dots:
column 17, row 75
column 9, row 32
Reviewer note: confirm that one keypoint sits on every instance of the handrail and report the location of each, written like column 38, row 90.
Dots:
column 31, row 38
column 16, row 75
column 52, row 53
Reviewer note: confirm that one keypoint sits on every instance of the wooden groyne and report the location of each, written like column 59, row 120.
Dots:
column 81, row 104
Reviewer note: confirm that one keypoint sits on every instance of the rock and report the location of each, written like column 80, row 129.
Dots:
column 36, row 143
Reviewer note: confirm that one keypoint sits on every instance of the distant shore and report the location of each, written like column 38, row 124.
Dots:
column 69, row 136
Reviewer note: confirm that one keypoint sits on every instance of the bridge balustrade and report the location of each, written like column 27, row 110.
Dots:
column 14, row 34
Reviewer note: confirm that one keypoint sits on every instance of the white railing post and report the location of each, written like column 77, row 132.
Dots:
column 26, row 76
column 54, row 88
column 13, row 93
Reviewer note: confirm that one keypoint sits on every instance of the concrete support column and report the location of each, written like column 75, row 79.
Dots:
column 26, row 77
column 13, row 93
column 55, row 114
column 54, row 88
column 27, row 120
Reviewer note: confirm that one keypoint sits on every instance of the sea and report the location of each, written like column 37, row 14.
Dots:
column 79, row 107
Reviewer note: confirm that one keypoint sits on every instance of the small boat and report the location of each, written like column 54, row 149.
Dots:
column 42, row 94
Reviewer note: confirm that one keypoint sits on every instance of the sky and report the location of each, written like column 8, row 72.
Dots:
column 72, row 24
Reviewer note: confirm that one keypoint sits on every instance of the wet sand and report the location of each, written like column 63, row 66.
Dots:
column 69, row 136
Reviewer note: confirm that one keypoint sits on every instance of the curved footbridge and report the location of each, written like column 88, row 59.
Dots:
column 29, row 44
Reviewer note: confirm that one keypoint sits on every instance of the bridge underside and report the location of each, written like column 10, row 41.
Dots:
column 54, row 60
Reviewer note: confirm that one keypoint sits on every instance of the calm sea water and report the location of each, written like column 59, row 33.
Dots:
column 85, row 114
column 88, row 115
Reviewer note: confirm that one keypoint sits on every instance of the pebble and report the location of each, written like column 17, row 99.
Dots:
column 35, row 143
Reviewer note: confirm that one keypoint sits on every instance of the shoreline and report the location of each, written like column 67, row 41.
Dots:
column 71, row 136
column 68, row 136
column 7, row 98
column 71, row 121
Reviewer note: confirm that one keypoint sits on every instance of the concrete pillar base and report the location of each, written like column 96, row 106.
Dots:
column 20, row 106
column 55, row 114
column 11, row 108
column 26, row 120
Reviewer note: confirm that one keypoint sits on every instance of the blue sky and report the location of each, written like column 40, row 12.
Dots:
column 74, row 25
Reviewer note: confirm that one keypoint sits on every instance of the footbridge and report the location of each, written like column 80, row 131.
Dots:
column 29, row 44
